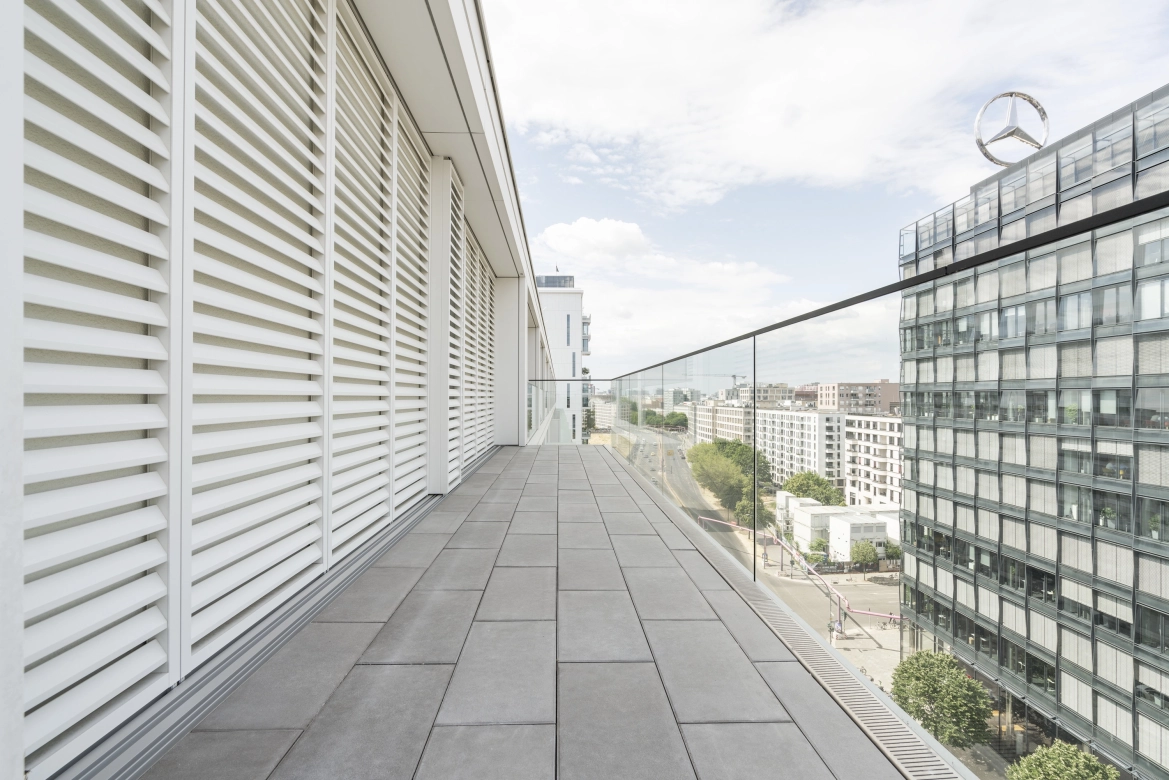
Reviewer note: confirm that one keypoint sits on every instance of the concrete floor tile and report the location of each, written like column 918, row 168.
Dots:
column 627, row 523
column 540, row 490
column 616, row 503
column 574, row 484
column 665, row 594
column 583, row 536
column 458, row 570
column 428, row 628
column 457, row 503
column 507, row 482
column 291, row 687
column 440, row 523
column 372, row 597
column 673, row 538
column 615, row 722
column 418, row 550
column 525, row 593
column 653, row 513
column 224, row 755
column 492, row 513
column 373, row 728
column 489, row 753
column 758, row 641
column 578, row 513
column 604, row 479
column 543, row 479
column 500, row 496
column 528, row 550
column 642, row 551
column 599, row 625
column 708, row 677
column 537, row 504
column 506, row 674
column 610, row 491
column 701, row 572
column 844, row 747
column 478, row 536
column 718, row 752
column 533, row 523
column 567, row 498
column 590, row 570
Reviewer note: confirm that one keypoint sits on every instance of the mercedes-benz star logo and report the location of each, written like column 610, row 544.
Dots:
column 1012, row 128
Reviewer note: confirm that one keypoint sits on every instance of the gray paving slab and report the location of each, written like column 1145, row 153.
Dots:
column 706, row 674
column 599, row 625
column 292, row 686
column 665, row 594
column 578, row 513
column 614, row 721
column 718, row 751
column 500, row 496
column 414, row 550
column 540, row 490
column 757, row 640
column 843, row 746
column 525, row 593
column 537, row 504
column 544, row 479
column 492, row 512
column 489, row 753
column 570, row 497
column 533, row 523
column 653, row 513
column 506, row 674
column 224, row 755
column 642, row 551
column 457, row 503
column 616, row 503
column 478, row 536
column 701, row 572
column 610, row 491
column 507, row 482
column 528, row 550
column 583, row 536
column 574, row 484
column 374, row 727
column 440, row 523
column 372, row 597
column 673, row 538
column 429, row 627
column 583, row 569
column 627, row 523
column 458, row 570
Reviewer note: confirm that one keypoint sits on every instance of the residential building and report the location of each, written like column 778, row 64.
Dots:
column 858, row 397
column 562, row 303
column 586, row 321
column 672, row 397
column 732, row 421
column 872, row 459
column 603, row 410
column 1034, row 401
column 776, row 394
column 796, row 441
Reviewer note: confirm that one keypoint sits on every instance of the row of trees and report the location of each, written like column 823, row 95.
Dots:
column 671, row 420
column 726, row 468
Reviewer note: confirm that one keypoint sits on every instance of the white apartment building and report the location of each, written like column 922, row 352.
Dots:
column 775, row 394
column 672, row 397
column 796, row 441
column 858, row 397
column 603, row 410
column 563, row 305
column 713, row 420
column 872, row 459
column 845, row 530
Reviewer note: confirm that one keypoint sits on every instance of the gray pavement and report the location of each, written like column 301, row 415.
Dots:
column 546, row 620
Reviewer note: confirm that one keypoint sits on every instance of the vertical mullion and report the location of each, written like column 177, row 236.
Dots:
column 393, row 280
column 330, row 207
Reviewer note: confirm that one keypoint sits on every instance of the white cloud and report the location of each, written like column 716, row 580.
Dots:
column 685, row 100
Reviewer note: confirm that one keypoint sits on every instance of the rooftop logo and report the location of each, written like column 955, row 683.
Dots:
column 1012, row 129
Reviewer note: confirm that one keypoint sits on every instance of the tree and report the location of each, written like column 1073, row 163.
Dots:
column 864, row 553
column 809, row 484
column 762, row 516
column 892, row 551
column 818, row 545
column 718, row 474
column 1061, row 761
column 741, row 453
column 677, row 420
column 590, row 419
column 936, row 692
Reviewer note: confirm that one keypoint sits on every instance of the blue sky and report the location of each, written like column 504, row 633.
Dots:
column 705, row 169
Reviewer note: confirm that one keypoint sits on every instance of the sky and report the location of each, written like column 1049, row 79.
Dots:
column 704, row 169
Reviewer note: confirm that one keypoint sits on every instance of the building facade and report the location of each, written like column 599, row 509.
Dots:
column 563, row 306
column 714, row 420
column 796, row 441
column 1035, row 399
column 858, row 397
column 872, row 459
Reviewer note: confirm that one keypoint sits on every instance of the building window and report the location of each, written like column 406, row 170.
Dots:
column 568, row 330
column 567, row 396
column 574, row 364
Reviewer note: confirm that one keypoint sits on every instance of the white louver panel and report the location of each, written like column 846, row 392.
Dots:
column 362, row 289
column 479, row 375
column 256, row 318
column 98, row 595
column 411, row 310
column 455, row 382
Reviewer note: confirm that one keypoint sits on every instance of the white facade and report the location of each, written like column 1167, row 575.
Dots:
column 263, row 319
column 563, row 309
column 858, row 397
column 872, row 460
column 714, row 420
column 796, row 441
column 604, row 411
column 845, row 530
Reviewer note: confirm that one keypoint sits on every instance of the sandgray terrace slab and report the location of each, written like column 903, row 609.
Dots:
column 701, row 572
column 627, row 523
column 543, row 479
column 500, row 496
column 417, row 550
column 506, row 674
column 458, row 570
column 573, row 484
column 292, row 686
column 583, row 569
column 610, row 491
column 528, row 550
column 616, row 504
column 525, row 593
column 533, row 523
column 492, row 512
column 374, row 726
column 457, row 503
column 666, row 594
column 614, row 721
column 672, row 537
column 708, row 677
column 538, row 490
column 428, row 628
column 578, row 513
column 537, row 504
column 570, row 498
column 489, row 753
column 440, row 523
column 483, row 536
column 642, row 551
column 510, row 483
column 372, row 597
column 603, row 479
column 757, row 640
column 583, row 536
column 717, row 750
column 844, row 747
column 224, row 755
column 653, row 513
column 599, row 625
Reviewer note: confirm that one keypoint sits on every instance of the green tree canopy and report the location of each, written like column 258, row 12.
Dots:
column 892, row 551
column 936, row 692
column 819, row 545
column 809, row 484
column 741, row 453
column 718, row 474
column 864, row 552
column 677, row 420
column 1061, row 761
column 763, row 516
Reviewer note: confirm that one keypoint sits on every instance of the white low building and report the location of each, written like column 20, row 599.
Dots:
column 845, row 530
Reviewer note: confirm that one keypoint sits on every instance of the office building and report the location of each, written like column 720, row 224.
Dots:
column 796, row 441
column 857, row 398
column 775, row 394
column 563, row 305
column 872, row 459
column 603, row 410
column 733, row 421
column 1035, row 405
